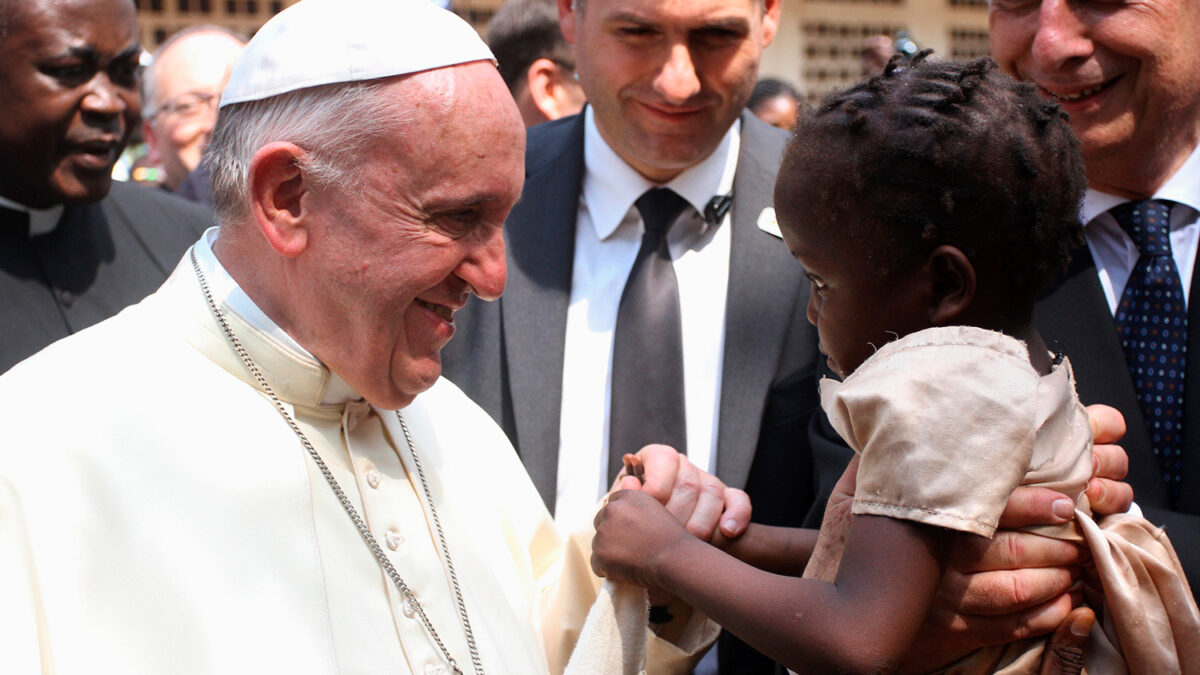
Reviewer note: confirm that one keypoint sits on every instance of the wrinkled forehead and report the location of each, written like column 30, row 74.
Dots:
column 467, row 99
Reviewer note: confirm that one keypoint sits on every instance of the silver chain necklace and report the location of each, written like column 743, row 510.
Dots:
column 358, row 521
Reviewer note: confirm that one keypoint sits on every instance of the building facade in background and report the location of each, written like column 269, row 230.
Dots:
column 158, row 19
column 820, row 42
column 818, row 48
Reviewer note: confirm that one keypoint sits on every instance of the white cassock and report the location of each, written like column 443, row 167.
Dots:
column 157, row 515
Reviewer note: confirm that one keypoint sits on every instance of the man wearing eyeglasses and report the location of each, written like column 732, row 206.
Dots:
column 75, row 249
column 181, row 88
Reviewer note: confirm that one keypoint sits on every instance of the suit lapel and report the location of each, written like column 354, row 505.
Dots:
column 541, row 238
column 763, row 284
column 1074, row 319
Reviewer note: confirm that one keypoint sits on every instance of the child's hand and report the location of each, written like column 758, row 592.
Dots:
column 632, row 531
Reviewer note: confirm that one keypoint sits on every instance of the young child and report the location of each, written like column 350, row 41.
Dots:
column 929, row 206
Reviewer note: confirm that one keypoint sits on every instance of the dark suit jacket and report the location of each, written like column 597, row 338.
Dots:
column 102, row 257
column 1074, row 318
column 508, row 355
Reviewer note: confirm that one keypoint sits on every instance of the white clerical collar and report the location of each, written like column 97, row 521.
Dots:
column 611, row 186
column 225, row 290
column 41, row 221
column 1182, row 187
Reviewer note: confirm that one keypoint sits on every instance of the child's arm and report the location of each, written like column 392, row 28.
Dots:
column 782, row 550
column 865, row 622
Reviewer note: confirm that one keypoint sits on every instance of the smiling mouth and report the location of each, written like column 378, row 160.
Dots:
column 442, row 311
column 1077, row 96
column 96, row 152
column 673, row 111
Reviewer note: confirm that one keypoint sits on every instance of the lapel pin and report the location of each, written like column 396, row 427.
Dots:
column 767, row 222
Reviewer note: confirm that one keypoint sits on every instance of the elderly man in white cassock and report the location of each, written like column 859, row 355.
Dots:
column 257, row 469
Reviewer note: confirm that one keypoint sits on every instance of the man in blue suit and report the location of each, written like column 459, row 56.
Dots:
column 1127, row 75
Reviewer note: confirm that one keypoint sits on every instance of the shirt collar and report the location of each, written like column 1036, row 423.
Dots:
column 41, row 221
column 611, row 186
column 225, row 290
column 1182, row 187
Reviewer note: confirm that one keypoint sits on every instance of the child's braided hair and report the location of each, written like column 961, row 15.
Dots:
column 942, row 152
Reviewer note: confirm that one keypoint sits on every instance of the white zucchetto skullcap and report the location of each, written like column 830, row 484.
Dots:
column 316, row 42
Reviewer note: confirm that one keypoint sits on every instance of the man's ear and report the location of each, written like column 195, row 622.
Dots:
column 277, row 188
column 953, row 278
column 546, row 84
column 771, row 12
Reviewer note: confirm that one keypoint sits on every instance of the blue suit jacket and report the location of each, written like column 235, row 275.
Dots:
column 1074, row 318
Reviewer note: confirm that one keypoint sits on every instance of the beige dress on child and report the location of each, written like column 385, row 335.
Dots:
column 947, row 422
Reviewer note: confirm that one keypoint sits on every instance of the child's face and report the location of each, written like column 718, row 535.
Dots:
column 855, row 309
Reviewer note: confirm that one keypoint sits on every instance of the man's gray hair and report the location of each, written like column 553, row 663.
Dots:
column 333, row 123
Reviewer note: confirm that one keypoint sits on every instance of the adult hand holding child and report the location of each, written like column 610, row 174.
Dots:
column 994, row 591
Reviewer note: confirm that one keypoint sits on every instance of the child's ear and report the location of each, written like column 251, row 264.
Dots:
column 953, row 285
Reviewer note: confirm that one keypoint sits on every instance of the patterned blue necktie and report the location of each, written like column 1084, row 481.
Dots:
column 1152, row 324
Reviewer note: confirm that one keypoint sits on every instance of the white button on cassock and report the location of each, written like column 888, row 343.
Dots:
column 407, row 607
column 394, row 539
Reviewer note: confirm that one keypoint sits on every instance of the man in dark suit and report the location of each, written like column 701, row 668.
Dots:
column 765, row 308
column 510, row 355
column 667, row 84
column 1127, row 76
column 72, row 253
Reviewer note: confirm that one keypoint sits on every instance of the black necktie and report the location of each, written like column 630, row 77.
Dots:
column 1152, row 324
column 647, row 369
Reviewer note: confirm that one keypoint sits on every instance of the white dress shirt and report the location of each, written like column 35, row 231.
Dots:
column 1115, row 253
column 608, row 235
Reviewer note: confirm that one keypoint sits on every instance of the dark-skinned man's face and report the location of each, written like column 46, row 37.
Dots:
column 69, row 79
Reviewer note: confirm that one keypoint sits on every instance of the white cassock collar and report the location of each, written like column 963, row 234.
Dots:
column 225, row 291
column 41, row 221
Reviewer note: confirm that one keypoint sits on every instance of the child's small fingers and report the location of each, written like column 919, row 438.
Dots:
column 1067, row 648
